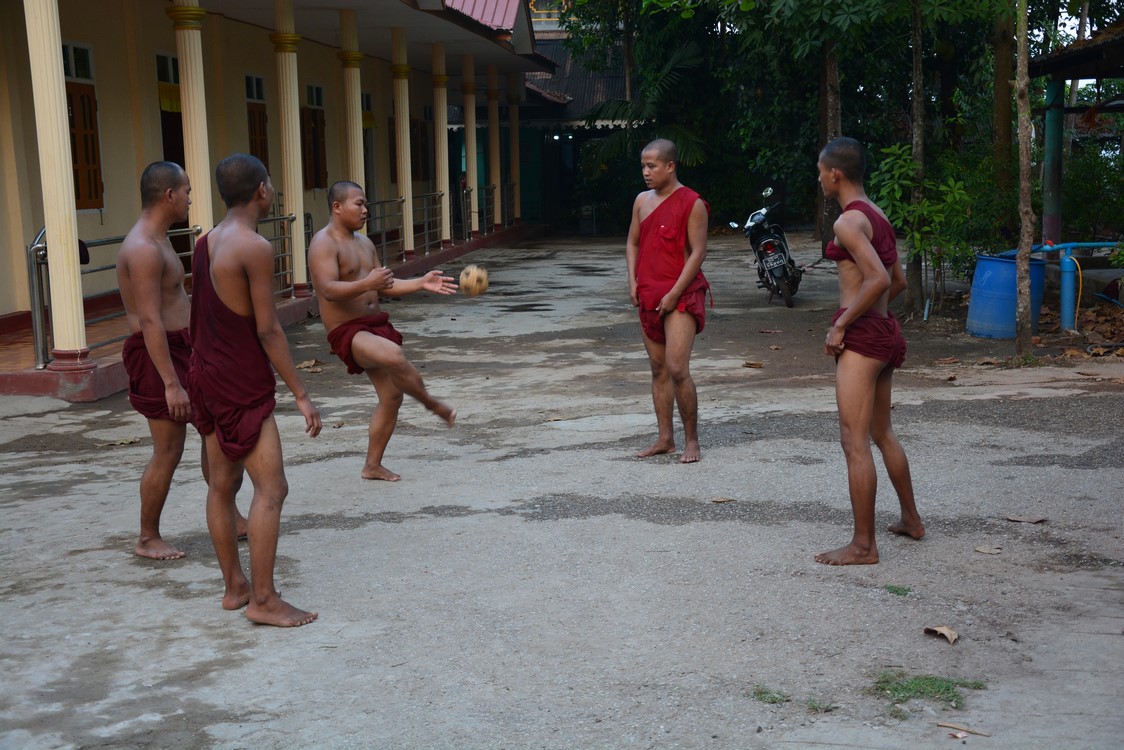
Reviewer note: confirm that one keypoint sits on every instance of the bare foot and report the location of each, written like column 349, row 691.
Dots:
column 691, row 453
column 913, row 530
column 657, row 448
column 380, row 472
column 157, row 549
column 236, row 597
column 445, row 412
column 849, row 555
column 277, row 611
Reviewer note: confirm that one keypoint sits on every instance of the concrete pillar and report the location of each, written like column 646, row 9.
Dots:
column 514, row 84
column 350, row 57
column 285, row 41
column 1052, row 161
column 400, row 68
column 495, row 176
column 468, row 86
column 188, row 18
column 441, row 139
column 56, row 172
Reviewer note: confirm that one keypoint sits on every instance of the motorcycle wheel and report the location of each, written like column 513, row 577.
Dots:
column 785, row 292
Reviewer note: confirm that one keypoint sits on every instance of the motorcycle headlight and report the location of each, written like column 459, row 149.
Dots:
column 757, row 217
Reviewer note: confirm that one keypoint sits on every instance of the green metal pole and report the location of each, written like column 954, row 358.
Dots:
column 1052, row 163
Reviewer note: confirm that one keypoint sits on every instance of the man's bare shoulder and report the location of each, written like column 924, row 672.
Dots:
column 138, row 247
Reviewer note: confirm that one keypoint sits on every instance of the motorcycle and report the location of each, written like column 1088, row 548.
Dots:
column 776, row 271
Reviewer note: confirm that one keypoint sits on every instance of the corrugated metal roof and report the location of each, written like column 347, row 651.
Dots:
column 496, row 14
column 582, row 89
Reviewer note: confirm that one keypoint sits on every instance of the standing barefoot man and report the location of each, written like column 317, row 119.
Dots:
column 665, row 251
column 868, row 345
column 157, row 354
column 235, row 337
column 348, row 279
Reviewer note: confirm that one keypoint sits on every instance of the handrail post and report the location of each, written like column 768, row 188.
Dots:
column 36, row 256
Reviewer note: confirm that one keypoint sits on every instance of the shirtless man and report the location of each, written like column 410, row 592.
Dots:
column 235, row 338
column 348, row 279
column 665, row 251
column 868, row 345
column 150, row 277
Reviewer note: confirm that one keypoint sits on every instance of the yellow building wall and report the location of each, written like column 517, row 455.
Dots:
column 124, row 37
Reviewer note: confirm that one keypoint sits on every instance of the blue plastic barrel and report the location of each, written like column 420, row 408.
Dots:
column 991, row 308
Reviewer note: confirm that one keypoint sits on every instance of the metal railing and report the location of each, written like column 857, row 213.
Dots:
column 384, row 227
column 39, row 281
column 487, row 203
column 507, row 207
column 427, row 222
column 465, row 214
column 282, row 241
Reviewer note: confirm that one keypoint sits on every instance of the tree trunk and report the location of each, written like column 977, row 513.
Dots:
column 830, row 128
column 1071, row 120
column 915, row 291
column 1003, row 44
column 1023, row 341
column 627, row 31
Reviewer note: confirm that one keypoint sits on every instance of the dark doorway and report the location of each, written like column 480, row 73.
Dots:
column 171, row 134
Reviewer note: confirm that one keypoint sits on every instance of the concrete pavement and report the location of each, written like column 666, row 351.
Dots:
column 530, row 584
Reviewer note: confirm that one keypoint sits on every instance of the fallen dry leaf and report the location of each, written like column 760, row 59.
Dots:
column 943, row 630
column 338, row 425
column 947, row 725
column 987, row 361
column 123, row 441
column 751, row 363
column 315, row 369
column 946, row 361
column 309, row 363
column 1026, row 519
column 775, row 347
column 1099, row 351
column 1088, row 374
column 989, row 550
column 1075, row 353
column 952, row 377
column 723, row 500
column 770, row 330
column 957, row 735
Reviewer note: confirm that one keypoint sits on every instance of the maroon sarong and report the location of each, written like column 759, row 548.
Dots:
column 232, row 382
column 146, row 386
column 875, row 336
column 340, row 337
column 660, row 260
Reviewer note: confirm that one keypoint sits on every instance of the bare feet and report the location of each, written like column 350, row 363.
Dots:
column 446, row 413
column 913, row 530
column 380, row 472
column 277, row 611
column 691, row 452
column 657, row 448
column 157, row 549
column 236, row 597
column 852, row 554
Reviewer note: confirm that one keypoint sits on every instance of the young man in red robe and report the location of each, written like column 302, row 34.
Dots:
column 349, row 279
column 157, row 354
column 665, row 251
column 867, row 343
column 237, row 342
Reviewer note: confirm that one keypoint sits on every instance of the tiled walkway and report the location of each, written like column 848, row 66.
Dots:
column 17, row 349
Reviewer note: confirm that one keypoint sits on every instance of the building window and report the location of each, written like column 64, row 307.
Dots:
column 255, row 89
column 167, row 69
column 313, row 140
column 82, row 113
column 257, row 123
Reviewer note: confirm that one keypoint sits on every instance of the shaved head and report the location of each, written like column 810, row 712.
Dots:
column 665, row 149
column 847, row 155
column 158, row 177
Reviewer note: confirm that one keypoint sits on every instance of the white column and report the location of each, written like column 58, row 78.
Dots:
column 188, row 18
column 56, row 172
column 495, row 178
column 285, row 42
column 350, row 57
column 468, row 86
column 401, row 70
column 514, row 84
column 441, row 138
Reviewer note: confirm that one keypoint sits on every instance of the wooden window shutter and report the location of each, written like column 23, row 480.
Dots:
column 257, row 122
column 82, row 109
